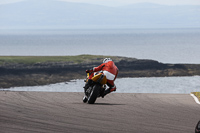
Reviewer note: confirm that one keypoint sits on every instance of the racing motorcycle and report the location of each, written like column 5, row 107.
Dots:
column 96, row 89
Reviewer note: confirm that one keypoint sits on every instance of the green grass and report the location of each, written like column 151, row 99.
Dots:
column 44, row 59
column 197, row 94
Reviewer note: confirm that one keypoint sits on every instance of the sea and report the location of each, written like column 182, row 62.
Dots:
column 164, row 45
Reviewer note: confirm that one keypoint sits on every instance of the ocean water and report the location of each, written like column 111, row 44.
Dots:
column 170, row 85
column 163, row 45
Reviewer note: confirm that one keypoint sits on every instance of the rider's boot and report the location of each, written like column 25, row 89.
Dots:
column 105, row 93
column 109, row 90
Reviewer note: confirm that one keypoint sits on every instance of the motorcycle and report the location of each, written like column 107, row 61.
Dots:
column 197, row 129
column 96, row 89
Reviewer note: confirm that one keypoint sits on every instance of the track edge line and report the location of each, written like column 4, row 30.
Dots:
column 195, row 98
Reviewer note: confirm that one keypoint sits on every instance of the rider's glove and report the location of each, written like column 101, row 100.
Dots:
column 89, row 71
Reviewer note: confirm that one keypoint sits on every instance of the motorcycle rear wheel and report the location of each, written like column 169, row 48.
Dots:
column 94, row 94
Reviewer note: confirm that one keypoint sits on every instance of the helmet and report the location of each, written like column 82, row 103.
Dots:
column 106, row 60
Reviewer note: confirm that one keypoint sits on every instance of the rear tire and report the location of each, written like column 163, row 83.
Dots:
column 94, row 94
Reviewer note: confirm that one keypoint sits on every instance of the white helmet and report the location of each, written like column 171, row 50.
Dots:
column 106, row 60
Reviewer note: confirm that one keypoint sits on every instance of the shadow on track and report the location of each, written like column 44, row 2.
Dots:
column 100, row 103
column 108, row 104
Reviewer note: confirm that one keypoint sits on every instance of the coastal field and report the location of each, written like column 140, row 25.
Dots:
column 46, row 59
column 43, row 70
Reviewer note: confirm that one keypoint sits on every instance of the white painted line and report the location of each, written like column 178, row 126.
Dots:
column 195, row 98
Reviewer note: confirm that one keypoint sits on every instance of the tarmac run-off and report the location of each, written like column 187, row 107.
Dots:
column 118, row 112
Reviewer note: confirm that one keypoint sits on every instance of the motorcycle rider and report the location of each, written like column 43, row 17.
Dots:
column 109, row 69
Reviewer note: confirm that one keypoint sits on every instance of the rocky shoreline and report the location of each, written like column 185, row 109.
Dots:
column 20, row 74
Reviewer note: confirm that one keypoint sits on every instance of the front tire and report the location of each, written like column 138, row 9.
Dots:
column 85, row 99
column 94, row 94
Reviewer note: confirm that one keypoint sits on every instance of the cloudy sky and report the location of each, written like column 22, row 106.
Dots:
column 123, row 2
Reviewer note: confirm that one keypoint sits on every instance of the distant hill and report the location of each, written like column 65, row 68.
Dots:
column 60, row 14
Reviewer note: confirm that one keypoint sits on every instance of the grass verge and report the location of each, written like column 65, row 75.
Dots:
column 44, row 59
column 197, row 94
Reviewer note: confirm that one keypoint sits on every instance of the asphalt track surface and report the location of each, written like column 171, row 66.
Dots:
column 50, row 112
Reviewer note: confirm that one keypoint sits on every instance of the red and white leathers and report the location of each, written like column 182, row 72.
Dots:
column 110, row 70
